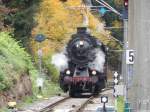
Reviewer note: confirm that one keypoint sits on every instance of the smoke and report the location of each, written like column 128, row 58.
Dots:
column 98, row 63
column 60, row 60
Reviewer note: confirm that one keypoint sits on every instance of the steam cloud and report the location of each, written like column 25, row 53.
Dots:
column 98, row 63
column 60, row 60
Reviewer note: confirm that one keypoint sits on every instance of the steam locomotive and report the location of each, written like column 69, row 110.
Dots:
column 86, row 60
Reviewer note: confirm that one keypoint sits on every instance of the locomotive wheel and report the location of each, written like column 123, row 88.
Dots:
column 96, row 90
column 103, row 84
column 72, row 91
column 63, row 86
column 98, row 87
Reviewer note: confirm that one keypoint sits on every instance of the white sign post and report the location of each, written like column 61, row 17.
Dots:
column 115, row 83
column 119, row 90
column 39, row 82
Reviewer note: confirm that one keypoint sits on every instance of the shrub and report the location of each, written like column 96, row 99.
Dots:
column 52, row 71
column 14, row 61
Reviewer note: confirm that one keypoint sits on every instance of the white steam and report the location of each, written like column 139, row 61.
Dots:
column 98, row 63
column 60, row 60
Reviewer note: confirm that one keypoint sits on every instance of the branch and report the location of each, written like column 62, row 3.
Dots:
column 7, row 10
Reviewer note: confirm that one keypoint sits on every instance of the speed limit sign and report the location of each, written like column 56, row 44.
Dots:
column 129, row 56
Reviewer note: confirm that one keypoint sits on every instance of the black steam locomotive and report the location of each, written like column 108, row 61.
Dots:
column 86, row 65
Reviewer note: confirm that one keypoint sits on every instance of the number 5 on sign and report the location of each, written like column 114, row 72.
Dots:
column 129, row 56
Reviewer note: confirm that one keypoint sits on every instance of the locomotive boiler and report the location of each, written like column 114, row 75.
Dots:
column 85, row 65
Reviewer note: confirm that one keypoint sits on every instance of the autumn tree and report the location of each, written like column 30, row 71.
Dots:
column 58, row 20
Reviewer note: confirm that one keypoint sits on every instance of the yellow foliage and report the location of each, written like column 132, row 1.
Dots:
column 119, row 2
column 93, row 22
column 117, row 23
column 57, row 21
column 51, row 19
column 74, row 3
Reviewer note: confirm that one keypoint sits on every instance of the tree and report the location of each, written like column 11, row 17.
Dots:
column 57, row 21
column 16, row 17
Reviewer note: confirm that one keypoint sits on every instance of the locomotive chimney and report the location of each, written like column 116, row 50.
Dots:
column 82, row 30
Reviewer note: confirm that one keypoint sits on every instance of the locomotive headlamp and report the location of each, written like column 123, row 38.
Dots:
column 68, row 72
column 77, row 45
column 93, row 72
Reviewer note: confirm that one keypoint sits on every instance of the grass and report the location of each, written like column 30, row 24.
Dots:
column 5, row 110
column 120, row 104
column 14, row 61
column 50, row 89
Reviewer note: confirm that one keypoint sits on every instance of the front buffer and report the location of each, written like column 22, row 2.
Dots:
column 82, row 84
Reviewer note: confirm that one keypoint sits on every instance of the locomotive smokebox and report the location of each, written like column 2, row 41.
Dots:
column 80, row 47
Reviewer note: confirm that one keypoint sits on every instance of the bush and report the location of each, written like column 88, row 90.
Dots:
column 120, row 104
column 14, row 61
column 52, row 71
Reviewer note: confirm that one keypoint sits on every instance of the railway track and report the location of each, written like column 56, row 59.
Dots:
column 80, row 109
column 50, row 107
column 73, row 104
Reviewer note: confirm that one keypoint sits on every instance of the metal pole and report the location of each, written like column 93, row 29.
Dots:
column 85, row 17
column 40, row 63
column 40, row 59
column 104, row 108
column 125, row 66
column 39, row 38
column 40, row 79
